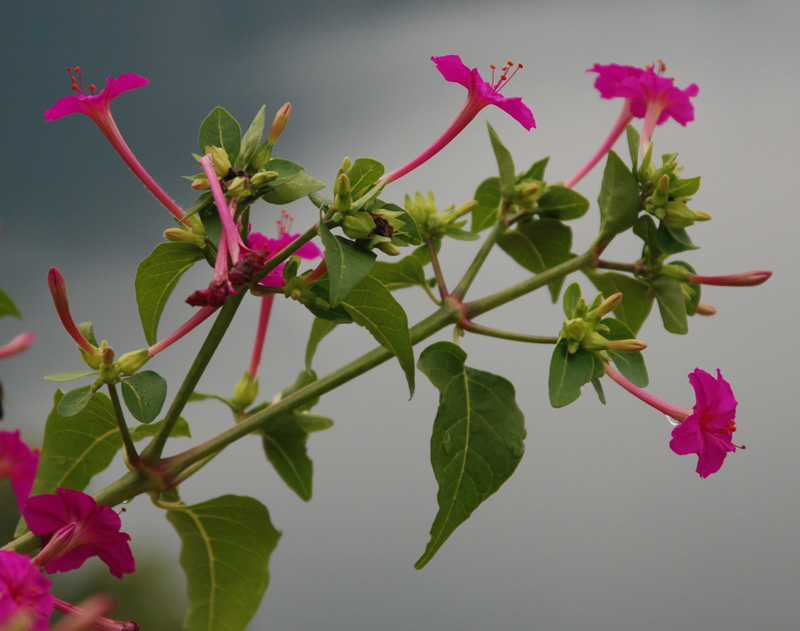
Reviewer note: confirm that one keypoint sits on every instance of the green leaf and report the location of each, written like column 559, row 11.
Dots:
column 633, row 146
column 559, row 202
column 319, row 329
column 220, row 129
column 286, row 170
column 406, row 272
column 637, row 299
column 251, row 139
column 285, row 447
column 684, row 187
column 179, row 430
column 670, row 303
column 673, row 240
column 598, row 388
column 461, row 235
column 347, row 263
column 372, row 306
column 364, row 173
column 477, row 439
column 76, row 448
column 87, row 330
column 144, row 394
column 75, row 400
column 299, row 186
column 538, row 245
column 484, row 215
column 619, row 198
column 571, row 299
column 568, row 374
column 156, row 277
column 536, row 172
column 60, row 377
column 505, row 164
column 631, row 365
column 408, row 234
column 7, row 306
column 225, row 552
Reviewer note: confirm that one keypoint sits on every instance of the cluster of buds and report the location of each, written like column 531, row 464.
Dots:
column 433, row 224
column 585, row 329
column 667, row 195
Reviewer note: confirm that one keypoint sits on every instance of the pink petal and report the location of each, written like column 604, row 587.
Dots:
column 515, row 108
column 454, row 70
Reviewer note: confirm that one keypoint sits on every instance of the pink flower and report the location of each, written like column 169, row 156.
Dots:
column 648, row 95
column 91, row 615
column 707, row 430
column 20, row 343
column 98, row 108
column 58, row 289
column 74, row 527
column 18, row 463
column 480, row 94
column 743, row 279
column 259, row 242
column 25, row 598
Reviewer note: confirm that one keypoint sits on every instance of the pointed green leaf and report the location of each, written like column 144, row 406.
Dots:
column 372, row 306
column 536, row 172
column 505, row 164
column 670, row 303
column 673, row 240
column 598, row 388
column 286, row 170
column 619, row 198
column 568, row 374
column 571, row 299
column 477, row 439
column 633, row 146
column 560, row 202
column 637, row 299
column 179, row 430
column 75, row 400
column 319, row 329
column 684, row 187
column 156, row 277
column 7, row 306
column 285, row 447
column 363, row 174
column 631, row 365
column 60, row 377
column 538, row 245
column 78, row 447
column 226, row 545
column 251, row 139
column 220, row 129
column 144, row 394
column 347, row 263
column 484, row 215
column 299, row 186
column 404, row 273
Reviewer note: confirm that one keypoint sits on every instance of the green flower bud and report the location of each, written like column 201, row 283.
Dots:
column 279, row 123
column 222, row 163
column 388, row 248
column 131, row 362
column 179, row 235
column 262, row 178
column 678, row 215
column 358, row 226
column 245, row 392
column 626, row 346
column 238, row 187
column 342, row 196
column 607, row 306
column 200, row 184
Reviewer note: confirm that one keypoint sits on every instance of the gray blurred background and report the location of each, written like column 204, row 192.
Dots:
column 602, row 526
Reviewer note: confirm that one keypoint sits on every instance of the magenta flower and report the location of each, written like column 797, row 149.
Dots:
column 261, row 243
column 20, row 343
column 648, row 95
column 58, row 289
column 18, row 463
column 25, row 598
column 98, row 108
column 74, row 527
column 480, row 94
column 707, row 430
column 91, row 615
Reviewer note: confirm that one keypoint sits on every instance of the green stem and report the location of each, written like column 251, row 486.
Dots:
column 437, row 269
column 153, row 451
column 472, row 271
column 172, row 467
column 507, row 335
column 631, row 268
column 477, row 307
column 130, row 448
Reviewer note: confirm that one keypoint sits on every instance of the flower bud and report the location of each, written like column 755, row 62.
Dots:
column 222, row 163
column 743, row 279
column 262, row 178
column 358, row 226
column 279, row 123
column 238, row 187
column 705, row 309
column 608, row 305
column 388, row 248
column 20, row 343
column 131, row 362
column 178, row 235
column 625, row 346
column 342, row 196
column 201, row 184
column 245, row 392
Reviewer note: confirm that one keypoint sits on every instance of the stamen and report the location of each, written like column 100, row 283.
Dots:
column 284, row 223
column 504, row 76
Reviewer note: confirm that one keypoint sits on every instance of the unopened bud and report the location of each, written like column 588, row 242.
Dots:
column 263, row 177
column 343, row 199
column 388, row 248
column 663, row 184
column 179, row 235
column 200, row 184
column 678, row 215
column 705, row 309
column 131, row 362
column 743, row 279
column 238, row 187
column 626, row 346
column 699, row 215
column 222, row 163
column 346, row 164
column 245, row 392
column 279, row 124
column 608, row 305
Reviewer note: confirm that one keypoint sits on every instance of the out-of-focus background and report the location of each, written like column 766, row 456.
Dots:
column 602, row 526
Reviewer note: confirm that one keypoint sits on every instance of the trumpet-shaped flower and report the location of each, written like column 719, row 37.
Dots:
column 74, row 527
column 707, row 429
column 480, row 93
column 18, row 463
column 98, row 108
column 25, row 598
column 20, row 343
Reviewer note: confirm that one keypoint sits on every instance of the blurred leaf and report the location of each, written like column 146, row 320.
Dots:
column 319, row 329
column 637, row 299
column 560, row 202
column 225, row 552
column 536, row 172
column 220, row 129
column 477, row 439
column 570, row 301
column 156, row 277
column 299, row 186
column 70, row 375
column 406, row 272
column 670, row 303
column 505, row 164
column 619, row 198
column 484, row 215
column 673, row 240
column 7, row 306
column 364, row 173
column 144, row 394
column 285, row 447
column 179, row 430
column 633, row 146
column 631, row 365
column 568, row 374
